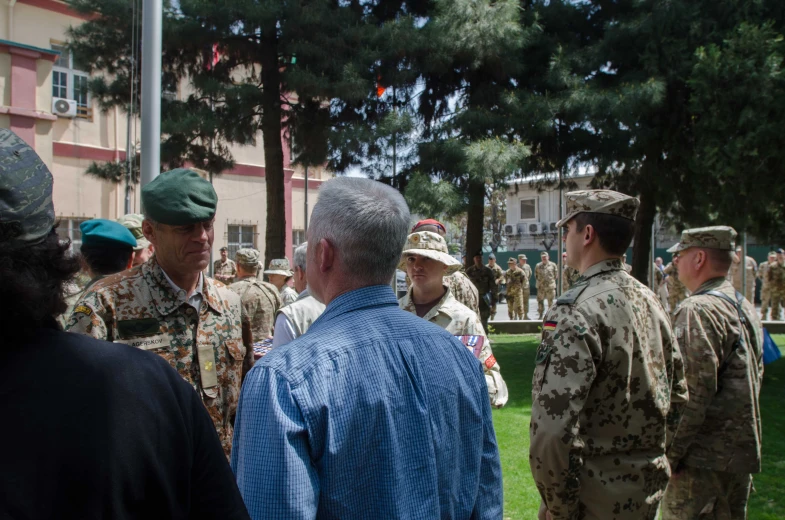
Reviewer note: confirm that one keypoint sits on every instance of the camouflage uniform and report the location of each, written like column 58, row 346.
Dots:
column 545, row 275
column 139, row 307
column 568, row 278
column 527, row 290
column 516, row 279
column 765, row 289
column 484, row 280
column 228, row 268
column 676, row 290
column 288, row 295
column 736, row 278
column 260, row 301
column 459, row 320
column 498, row 275
column 461, row 288
column 607, row 390
column 777, row 283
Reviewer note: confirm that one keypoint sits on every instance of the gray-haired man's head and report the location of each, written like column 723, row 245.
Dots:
column 300, row 253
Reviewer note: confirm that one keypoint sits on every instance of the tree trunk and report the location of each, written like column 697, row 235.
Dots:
column 275, row 233
column 641, row 253
column 474, row 220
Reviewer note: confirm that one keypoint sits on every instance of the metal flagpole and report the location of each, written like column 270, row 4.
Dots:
column 560, row 283
column 743, row 267
column 652, row 278
column 152, row 21
column 306, row 197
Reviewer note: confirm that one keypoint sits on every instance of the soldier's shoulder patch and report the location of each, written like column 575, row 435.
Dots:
column 549, row 325
column 83, row 309
column 490, row 361
column 569, row 297
column 543, row 353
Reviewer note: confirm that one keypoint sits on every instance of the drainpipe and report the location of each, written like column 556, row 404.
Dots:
column 11, row 20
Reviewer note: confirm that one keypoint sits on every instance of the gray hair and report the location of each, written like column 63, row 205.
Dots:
column 367, row 222
column 300, row 254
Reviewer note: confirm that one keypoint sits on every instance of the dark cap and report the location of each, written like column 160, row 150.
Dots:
column 478, row 252
column 781, row 251
column 27, row 214
column 179, row 197
column 224, row 248
column 102, row 232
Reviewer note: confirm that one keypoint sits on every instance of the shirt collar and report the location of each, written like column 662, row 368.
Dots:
column 440, row 306
column 165, row 292
column 612, row 264
column 363, row 298
column 711, row 285
column 194, row 300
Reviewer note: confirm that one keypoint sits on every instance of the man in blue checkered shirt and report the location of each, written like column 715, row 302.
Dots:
column 374, row 412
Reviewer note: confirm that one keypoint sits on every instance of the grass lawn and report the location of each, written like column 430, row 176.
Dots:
column 521, row 500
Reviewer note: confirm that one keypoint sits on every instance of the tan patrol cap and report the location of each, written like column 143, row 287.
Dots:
column 133, row 222
column 522, row 257
column 600, row 201
column 712, row 237
column 247, row 256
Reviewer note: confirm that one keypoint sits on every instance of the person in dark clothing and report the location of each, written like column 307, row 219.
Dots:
column 91, row 429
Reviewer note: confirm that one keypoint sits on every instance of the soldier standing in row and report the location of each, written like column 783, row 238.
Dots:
column 676, row 290
column 224, row 269
column 545, row 273
column 735, row 274
column 717, row 446
column 260, row 301
column 777, row 281
column 516, row 280
column 167, row 306
column 609, row 383
column 765, row 285
column 484, row 280
column 498, row 275
column 569, row 274
column 527, row 271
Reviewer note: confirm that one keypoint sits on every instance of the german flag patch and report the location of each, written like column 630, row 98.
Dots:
column 549, row 325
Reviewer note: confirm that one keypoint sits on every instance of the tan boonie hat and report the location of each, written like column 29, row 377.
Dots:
column 522, row 257
column 280, row 266
column 133, row 222
column 712, row 237
column 430, row 245
column 247, row 256
column 608, row 202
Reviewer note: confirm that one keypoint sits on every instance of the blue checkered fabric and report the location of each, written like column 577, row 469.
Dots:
column 373, row 413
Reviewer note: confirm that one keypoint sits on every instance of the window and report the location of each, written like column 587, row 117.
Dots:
column 298, row 237
column 528, row 209
column 69, row 81
column 68, row 229
column 240, row 236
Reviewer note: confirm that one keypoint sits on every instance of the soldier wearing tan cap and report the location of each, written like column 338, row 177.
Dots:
column 526, row 292
column 717, row 446
column 144, row 249
column 609, row 380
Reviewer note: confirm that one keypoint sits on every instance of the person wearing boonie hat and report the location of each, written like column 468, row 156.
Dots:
column 764, row 274
column 516, row 281
column 260, row 301
column 460, row 285
column 426, row 259
column 167, row 305
column 224, row 269
column 107, row 248
column 717, row 446
column 526, row 294
column 144, row 249
column 69, row 399
column 498, row 276
column 607, row 362
column 279, row 273
column 545, row 275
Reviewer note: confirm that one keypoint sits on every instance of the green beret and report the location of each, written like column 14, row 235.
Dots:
column 178, row 198
column 102, row 232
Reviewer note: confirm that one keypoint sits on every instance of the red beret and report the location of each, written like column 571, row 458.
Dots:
column 429, row 222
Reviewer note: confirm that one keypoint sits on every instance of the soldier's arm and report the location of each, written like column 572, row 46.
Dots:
column 90, row 317
column 679, row 387
column 247, row 310
column 497, row 388
column 563, row 378
column 696, row 339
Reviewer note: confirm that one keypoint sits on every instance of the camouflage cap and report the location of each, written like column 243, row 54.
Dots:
column 133, row 222
column 712, row 237
column 280, row 266
column 599, row 201
column 429, row 245
column 247, row 256
column 179, row 197
column 27, row 214
column 511, row 260
column 491, row 257
column 522, row 257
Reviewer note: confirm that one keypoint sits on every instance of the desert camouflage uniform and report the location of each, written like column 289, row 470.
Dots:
column 568, row 278
column 228, row 268
column 459, row 320
column 545, row 275
column 72, row 292
column 485, row 282
column 777, row 283
column 765, row 289
column 607, row 392
column 527, row 290
column 260, row 301
column 718, row 440
column 138, row 307
column 516, row 279
column 736, row 278
column 676, row 290
column 498, row 275
column 288, row 295
column 461, row 288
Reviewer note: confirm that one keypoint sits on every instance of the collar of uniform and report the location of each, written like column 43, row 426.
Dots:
column 441, row 305
column 363, row 298
column 164, row 296
column 605, row 266
column 715, row 284
column 303, row 295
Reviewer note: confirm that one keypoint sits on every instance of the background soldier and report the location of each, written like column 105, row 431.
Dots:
column 545, row 273
column 608, row 380
column 777, row 280
column 498, row 276
column 484, row 280
column 144, row 249
column 569, row 274
column 279, row 273
column 516, row 279
column 765, row 284
column 676, row 290
column 527, row 271
column 167, row 306
column 260, row 301
column 717, row 445
column 224, row 269
column 735, row 274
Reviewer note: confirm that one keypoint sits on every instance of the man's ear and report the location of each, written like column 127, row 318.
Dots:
column 325, row 255
column 589, row 235
column 148, row 230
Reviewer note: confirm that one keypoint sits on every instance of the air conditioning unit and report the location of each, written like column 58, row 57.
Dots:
column 523, row 229
column 553, row 228
column 62, row 107
column 510, row 230
column 535, row 228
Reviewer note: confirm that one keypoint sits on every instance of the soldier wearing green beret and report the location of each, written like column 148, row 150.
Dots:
column 168, row 306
